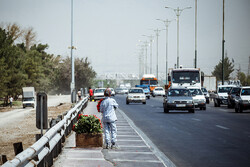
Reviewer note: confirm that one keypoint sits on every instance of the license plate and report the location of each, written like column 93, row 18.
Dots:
column 180, row 105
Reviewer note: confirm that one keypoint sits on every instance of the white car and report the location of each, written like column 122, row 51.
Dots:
column 112, row 91
column 158, row 91
column 136, row 95
column 198, row 97
column 99, row 93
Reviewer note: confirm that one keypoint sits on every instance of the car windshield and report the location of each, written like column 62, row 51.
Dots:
column 235, row 90
column 99, row 90
column 245, row 92
column 195, row 91
column 159, row 89
column 29, row 99
column 186, row 76
column 178, row 92
column 224, row 89
column 148, row 82
column 135, row 91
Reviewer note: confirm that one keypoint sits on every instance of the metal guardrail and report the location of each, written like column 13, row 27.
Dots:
column 49, row 145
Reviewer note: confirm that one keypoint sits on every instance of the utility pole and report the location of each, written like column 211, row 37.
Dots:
column 178, row 13
column 195, row 57
column 167, row 23
column 72, row 86
column 150, row 42
column 223, row 43
column 157, row 32
column 146, row 56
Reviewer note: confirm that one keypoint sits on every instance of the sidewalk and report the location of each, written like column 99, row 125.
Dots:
column 135, row 149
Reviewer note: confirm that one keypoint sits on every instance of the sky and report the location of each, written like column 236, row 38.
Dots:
column 109, row 32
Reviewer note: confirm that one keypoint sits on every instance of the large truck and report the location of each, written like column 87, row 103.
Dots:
column 185, row 77
column 210, row 83
column 28, row 97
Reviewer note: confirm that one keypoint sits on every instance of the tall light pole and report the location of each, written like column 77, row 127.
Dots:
column 223, row 42
column 72, row 86
column 195, row 52
column 146, row 56
column 150, row 42
column 167, row 23
column 157, row 32
column 178, row 13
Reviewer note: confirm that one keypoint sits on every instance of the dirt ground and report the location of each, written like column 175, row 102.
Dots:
column 25, row 131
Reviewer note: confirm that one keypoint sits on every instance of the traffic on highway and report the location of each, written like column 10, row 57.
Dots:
column 191, row 125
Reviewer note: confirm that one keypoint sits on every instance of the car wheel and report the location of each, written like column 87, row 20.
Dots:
column 191, row 110
column 127, row 102
column 143, row 102
column 166, row 110
column 236, row 109
column 201, row 108
column 215, row 103
column 207, row 101
column 204, row 108
column 240, row 109
column 218, row 104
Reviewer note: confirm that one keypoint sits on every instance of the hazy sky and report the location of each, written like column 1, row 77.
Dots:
column 107, row 31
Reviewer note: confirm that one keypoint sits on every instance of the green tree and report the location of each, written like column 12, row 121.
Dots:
column 228, row 69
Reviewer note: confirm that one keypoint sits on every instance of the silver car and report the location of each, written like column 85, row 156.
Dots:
column 136, row 95
column 178, row 98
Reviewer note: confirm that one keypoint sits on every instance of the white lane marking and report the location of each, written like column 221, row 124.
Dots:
column 131, row 146
column 223, row 110
column 132, row 140
column 128, row 136
column 129, row 152
column 129, row 160
column 91, row 159
column 196, row 119
column 222, row 127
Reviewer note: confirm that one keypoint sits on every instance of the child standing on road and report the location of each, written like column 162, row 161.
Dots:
column 107, row 107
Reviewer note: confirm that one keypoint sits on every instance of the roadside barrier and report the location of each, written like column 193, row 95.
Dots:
column 49, row 145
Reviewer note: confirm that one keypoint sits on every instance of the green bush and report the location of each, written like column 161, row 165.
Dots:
column 88, row 124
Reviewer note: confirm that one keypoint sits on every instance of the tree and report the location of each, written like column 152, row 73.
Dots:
column 228, row 69
column 29, row 37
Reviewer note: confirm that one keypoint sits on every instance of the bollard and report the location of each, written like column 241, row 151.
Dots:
column 18, row 147
column 3, row 159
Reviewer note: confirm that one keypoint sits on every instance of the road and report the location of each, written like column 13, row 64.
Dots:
column 217, row 137
column 18, row 114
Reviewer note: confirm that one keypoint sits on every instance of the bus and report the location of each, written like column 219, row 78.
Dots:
column 149, row 79
column 185, row 77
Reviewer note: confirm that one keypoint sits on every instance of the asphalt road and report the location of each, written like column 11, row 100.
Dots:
column 217, row 137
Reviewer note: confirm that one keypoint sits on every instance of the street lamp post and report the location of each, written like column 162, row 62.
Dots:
column 151, row 41
column 146, row 56
column 72, row 86
column 195, row 52
column 167, row 23
column 157, row 31
column 178, row 13
column 223, row 43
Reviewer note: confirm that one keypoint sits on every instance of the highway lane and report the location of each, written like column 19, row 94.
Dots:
column 215, row 137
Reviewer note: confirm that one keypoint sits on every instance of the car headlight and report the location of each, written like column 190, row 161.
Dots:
column 142, row 96
column 130, row 96
column 189, row 101
column 203, row 100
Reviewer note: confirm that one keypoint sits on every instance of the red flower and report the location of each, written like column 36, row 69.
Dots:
column 73, row 128
column 98, row 105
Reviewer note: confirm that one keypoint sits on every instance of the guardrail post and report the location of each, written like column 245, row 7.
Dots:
column 3, row 159
column 18, row 147
column 49, row 159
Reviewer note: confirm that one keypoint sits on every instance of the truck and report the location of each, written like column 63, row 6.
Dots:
column 28, row 98
column 185, row 77
column 210, row 83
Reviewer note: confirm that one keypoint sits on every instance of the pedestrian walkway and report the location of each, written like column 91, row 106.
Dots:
column 135, row 149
